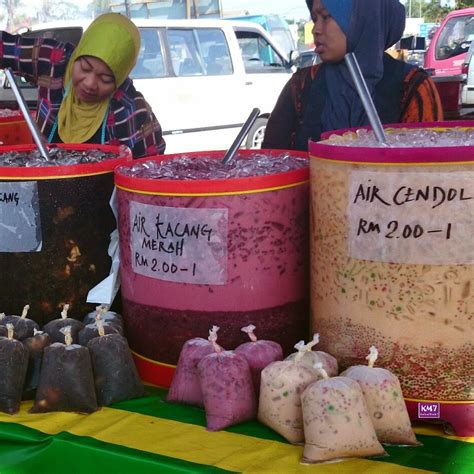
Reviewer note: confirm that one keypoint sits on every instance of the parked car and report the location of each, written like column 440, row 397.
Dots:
column 448, row 48
column 307, row 58
column 201, row 77
column 468, row 70
column 276, row 26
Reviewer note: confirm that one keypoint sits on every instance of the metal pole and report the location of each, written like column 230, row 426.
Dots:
column 365, row 97
column 37, row 136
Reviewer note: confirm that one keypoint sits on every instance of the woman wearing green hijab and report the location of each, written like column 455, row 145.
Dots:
column 85, row 94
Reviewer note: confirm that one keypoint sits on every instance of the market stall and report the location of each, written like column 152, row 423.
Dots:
column 149, row 435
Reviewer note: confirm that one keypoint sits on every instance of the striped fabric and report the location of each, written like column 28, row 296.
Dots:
column 43, row 62
column 149, row 435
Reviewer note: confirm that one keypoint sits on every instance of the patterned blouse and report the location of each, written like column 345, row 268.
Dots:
column 130, row 120
column 420, row 102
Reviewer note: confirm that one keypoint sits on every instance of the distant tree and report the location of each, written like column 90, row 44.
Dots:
column 433, row 12
column 58, row 10
column 10, row 7
column 100, row 6
column 464, row 4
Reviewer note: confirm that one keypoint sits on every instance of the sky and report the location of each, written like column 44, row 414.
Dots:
column 287, row 8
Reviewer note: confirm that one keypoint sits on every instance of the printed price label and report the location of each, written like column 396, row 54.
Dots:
column 418, row 218
column 184, row 245
column 20, row 224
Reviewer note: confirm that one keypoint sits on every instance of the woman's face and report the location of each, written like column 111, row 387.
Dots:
column 92, row 80
column 329, row 39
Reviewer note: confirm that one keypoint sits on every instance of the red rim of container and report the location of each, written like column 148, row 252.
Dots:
column 12, row 119
column 176, row 187
column 65, row 171
column 398, row 155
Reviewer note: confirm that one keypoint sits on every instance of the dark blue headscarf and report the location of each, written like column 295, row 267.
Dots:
column 374, row 26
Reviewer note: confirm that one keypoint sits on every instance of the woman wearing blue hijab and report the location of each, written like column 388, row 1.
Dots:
column 323, row 97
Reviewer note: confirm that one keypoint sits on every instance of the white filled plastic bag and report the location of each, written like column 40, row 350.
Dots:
column 337, row 423
column 384, row 399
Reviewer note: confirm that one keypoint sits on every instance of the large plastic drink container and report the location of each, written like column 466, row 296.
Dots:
column 225, row 252
column 55, row 226
column 392, row 259
column 14, row 129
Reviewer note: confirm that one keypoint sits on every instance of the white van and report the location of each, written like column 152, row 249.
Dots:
column 201, row 77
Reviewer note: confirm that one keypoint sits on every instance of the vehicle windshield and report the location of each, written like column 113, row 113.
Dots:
column 456, row 37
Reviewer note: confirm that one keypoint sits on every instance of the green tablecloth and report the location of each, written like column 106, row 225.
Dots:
column 149, row 435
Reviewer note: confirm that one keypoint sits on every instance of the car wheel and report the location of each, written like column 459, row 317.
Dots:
column 256, row 134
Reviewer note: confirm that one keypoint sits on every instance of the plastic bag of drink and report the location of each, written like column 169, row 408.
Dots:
column 280, row 395
column 54, row 327
column 35, row 345
column 66, row 381
column 115, row 375
column 13, row 366
column 110, row 317
column 185, row 386
column 227, row 388
column 23, row 327
column 337, row 423
column 90, row 331
column 310, row 358
column 259, row 353
column 384, row 399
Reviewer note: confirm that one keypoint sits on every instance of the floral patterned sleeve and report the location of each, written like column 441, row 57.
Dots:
column 421, row 102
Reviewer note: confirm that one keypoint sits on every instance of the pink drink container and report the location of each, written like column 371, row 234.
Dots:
column 225, row 252
column 392, row 265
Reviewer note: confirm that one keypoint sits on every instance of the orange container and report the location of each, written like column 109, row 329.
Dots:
column 14, row 130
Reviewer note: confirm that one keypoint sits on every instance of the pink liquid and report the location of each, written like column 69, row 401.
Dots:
column 266, row 283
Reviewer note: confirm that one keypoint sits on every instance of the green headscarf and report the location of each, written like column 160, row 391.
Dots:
column 115, row 40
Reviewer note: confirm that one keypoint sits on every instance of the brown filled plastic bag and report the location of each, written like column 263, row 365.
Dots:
column 66, row 381
column 54, row 327
column 336, row 421
column 185, row 386
column 310, row 358
column 35, row 345
column 384, row 399
column 115, row 375
column 23, row 327
column 102, row 312
column 281, row 386
column 13, row 365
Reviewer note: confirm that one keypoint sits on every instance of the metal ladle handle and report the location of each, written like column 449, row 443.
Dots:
column 365, row 97
column 37, row 137
column 241, row 135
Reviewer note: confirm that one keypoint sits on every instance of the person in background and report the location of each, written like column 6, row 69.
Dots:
column 84, row 93
column 323, row 97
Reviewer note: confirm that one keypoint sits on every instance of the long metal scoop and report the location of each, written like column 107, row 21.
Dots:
column 241, row 135
column 363, row 91
column 37, row 136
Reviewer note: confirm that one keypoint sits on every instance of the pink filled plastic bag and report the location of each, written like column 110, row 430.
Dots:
column 185, row 386
column 259, row 354
column 227, row 388
column 384, row 399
